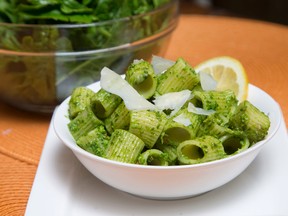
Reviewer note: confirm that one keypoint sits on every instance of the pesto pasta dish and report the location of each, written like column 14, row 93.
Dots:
column 163, row 113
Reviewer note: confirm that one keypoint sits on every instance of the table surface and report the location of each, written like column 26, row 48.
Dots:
column 261, row 47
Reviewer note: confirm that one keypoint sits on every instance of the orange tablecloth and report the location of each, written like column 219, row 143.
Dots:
column 261, row 47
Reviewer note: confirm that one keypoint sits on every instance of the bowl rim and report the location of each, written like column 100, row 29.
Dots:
column 75, row 148
column 133, row 45
column 100, row 23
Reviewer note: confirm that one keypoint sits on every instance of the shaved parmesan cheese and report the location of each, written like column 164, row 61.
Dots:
column 160, row 64
column 182, row 119
column 207, row 81
column 172, row 101
column 115, row 84
column 199, row 111
column 136, row 61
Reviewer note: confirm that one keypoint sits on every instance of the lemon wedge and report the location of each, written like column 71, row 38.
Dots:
column 228, row 72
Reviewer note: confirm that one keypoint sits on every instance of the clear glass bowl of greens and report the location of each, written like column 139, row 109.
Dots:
column 51, row 47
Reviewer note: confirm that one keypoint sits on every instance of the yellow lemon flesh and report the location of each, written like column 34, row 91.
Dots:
column 229, row 74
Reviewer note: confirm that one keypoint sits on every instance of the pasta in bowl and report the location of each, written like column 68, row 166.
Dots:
column 193, row 173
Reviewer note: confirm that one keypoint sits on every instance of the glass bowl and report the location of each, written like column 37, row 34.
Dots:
column 41, row 64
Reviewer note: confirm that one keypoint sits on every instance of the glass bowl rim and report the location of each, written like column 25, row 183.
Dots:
column 132, row 45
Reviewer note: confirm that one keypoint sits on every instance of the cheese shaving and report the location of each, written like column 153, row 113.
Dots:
column 199, row 111
column 207, row 81
column 137, row 61
column 182, row 119
column 160, row 64
column 115, row 84
column 172, row 101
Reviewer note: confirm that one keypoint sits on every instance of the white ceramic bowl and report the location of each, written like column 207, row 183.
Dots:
column 173, row 182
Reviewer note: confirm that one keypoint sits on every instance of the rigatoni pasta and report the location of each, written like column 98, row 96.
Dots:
column 179, row 76
column 80, row 99
column 222, row 101
column 215, row 124
column 141, row 76
column 147, row 125
column 251, row 120
column 153, row 157
column 119, row 119
column 200, row 150
column 175, row 121
column 124, row 147
column 170, row 152
column 95, row 141
column 103, row 103
column 83, row 123
column 177, row 131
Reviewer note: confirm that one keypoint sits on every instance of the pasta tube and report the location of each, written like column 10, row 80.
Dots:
column 124, row 147
column 178, row 77
column 147, row 125
column 200, row 150
column 79, row 100
column 251, row 120
column 223, row 101
column 140, row 75
column 176, row 132
column 170, row 151
column 215, row 125
column 104, row 103
column 235, row 143
column 83, row 123
column 96, row 141
column 153, row 157
column 119, row 119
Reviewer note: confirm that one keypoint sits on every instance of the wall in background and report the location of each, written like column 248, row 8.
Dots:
column 267, row 10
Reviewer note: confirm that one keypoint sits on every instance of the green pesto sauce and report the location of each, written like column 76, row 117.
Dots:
column 229, row 118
